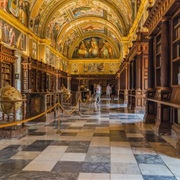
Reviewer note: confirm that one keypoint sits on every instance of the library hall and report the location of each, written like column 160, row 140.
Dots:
column 89, row 89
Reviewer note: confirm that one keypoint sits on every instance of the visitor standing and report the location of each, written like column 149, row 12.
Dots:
column 98, row 94
column 108, row 90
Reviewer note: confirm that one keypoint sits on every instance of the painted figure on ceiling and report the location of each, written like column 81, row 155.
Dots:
column 94, row 50
column 6, row 29
column 13, row 7
column 82, row 51
column 65, row 50
column 109, row 48
column 18, row 8
column 12, row 36
column 56, row 30
column 104, row 52
column 54, row 27
column 4, row 4
column 36, row 23
column 20, row 39
column 87, row 10
column 49, row 29
column 23, row 11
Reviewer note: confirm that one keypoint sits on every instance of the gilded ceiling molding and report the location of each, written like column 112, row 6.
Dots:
column 93, row 20
column 119, row 13
column 142, row 8
column 55, row 5
column 48, row 13
column 35, row 8
column 88, row 35
column 75, row 25
column 91, row 60
column 86, row 20
column 32, row 3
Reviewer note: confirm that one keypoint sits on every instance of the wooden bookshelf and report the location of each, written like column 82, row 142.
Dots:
column 39, row 102
column 176, row 50
column 158, row 58
column 6, row 66
column 33, row 79
column 42, row 77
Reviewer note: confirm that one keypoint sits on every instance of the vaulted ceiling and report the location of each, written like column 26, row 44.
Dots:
column 66, row 23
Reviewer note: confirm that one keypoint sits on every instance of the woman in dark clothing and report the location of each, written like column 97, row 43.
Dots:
column 92, row 90
column 112, row 92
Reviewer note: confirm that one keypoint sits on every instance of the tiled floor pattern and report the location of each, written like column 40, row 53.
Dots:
column 105, row 143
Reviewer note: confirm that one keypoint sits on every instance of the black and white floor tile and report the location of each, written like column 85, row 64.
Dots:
column 104, row 143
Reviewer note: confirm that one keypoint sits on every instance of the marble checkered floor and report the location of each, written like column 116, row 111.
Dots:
column 105, row 143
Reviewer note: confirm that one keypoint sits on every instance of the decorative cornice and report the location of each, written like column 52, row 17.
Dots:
column 158, row 11
column 92, row 76
column 96, row 60
column 7, row 58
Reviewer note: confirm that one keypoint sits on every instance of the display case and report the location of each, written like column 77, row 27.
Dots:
column 40, row 102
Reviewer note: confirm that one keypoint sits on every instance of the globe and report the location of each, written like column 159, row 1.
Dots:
column 66, row 93
column 8, row 96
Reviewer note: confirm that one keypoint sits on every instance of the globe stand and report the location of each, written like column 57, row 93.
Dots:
column 16, row 131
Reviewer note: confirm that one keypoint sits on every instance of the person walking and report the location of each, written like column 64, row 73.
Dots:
column 98, row 94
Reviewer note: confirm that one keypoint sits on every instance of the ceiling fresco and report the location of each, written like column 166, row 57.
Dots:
column 94, row 48
column 68, row 23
